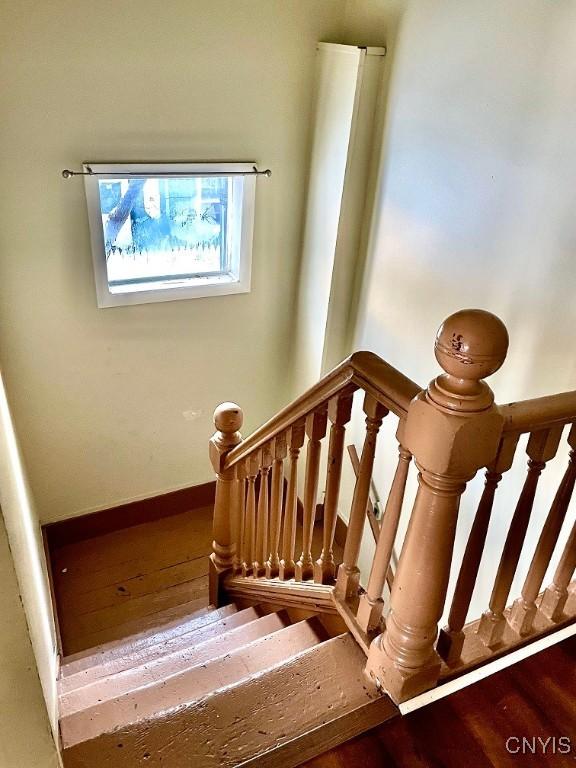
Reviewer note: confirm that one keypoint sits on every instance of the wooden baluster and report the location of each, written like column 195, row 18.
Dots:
column 555, row 596
column 371, row 603
column 524, row 608
column 250, row 516
column 339, row 412
column 542, row 447
column 228, row 421
column 287, row 564
column 261, row 554
column 348, row 573
column 452, row 430
column 240, row 556
column 315, row 431
column 279, row 451
column 451, row 638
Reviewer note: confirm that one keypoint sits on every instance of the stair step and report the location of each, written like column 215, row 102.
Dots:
column 155, row 671
column 164, row 630
column 283, row 711
column 181, row 689
column 135, row 655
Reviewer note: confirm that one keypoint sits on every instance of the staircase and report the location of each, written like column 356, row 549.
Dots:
column 298, row 652
column 223, row 687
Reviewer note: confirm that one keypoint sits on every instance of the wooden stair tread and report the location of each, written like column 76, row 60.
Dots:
column 149, row 672
column 157, row 647
column 181, row 689
column 169, row 624
column 281, row 715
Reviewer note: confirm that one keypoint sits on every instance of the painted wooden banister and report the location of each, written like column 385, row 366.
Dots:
column 362, row 370
column 452, row 430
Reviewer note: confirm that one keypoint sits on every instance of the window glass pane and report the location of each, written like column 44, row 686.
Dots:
column 164, row 229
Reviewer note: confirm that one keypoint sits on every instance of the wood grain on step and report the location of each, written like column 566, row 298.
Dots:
column 277, row 718
column 180, row 690
column 134, row 653
column 148, row 671
column 173, row 621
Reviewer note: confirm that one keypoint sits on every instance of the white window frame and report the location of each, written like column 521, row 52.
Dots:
column 236, row 280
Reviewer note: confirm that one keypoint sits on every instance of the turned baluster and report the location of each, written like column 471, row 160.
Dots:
column 315, row 431
column 524, row 608
column 371, row 603
column 240, row 555
column 279, row 451
column 542, row 446
column 339, row 412
column 555, row 596
column 348, row 573
column 250, row 515
column 451, row 638
column 287, row 564
column 452, row 430
column 261, row 552
column 227, row 420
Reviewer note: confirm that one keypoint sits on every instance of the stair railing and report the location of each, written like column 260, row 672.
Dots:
column 451, row 430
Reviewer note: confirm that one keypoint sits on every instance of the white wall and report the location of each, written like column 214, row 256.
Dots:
column 25, row 737
column 25, row 541
column 476, row 208
column 104, row 399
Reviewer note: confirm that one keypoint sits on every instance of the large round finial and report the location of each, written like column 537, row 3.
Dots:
column 470, row 345
column 228, row 418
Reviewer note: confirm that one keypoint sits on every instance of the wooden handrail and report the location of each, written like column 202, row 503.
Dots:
column 363, row 370
column 539, row 413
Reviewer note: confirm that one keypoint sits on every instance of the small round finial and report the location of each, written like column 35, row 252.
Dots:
column 471, row 344
column 228, row 418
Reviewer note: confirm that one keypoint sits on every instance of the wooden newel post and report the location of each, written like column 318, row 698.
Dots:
column 452, row 430
column 228, row 419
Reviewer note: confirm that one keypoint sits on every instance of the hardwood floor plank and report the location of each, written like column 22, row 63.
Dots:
column 121, row 592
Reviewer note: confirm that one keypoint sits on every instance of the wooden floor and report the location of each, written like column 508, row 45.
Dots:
column 469, row 729
column 119, row 583
column 116, row 584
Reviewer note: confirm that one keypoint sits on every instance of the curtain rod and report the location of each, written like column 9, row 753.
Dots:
column 66, row 173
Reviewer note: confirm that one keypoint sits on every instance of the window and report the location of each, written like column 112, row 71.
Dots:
column 165, row 232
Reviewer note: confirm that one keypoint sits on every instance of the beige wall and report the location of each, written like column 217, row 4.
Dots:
column 117, row 403
column 476, row 205
column 25, row 737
